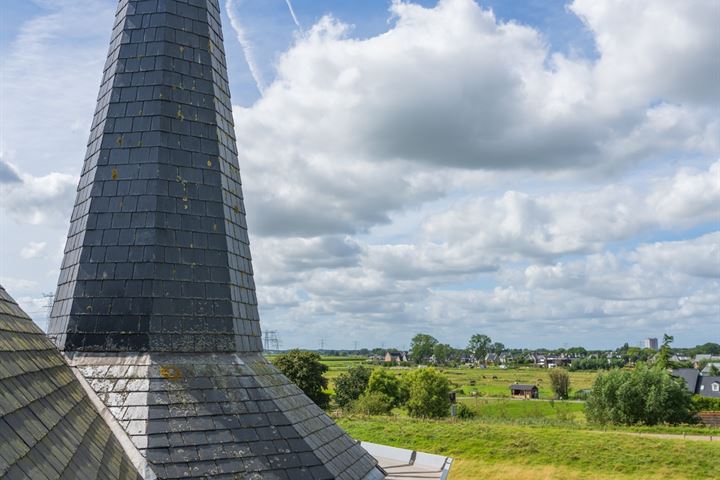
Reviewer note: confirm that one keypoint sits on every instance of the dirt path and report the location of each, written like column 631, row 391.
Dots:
column 469, row 397
column 666, row 436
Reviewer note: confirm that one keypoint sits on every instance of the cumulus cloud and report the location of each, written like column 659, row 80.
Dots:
column 20, row 285
column 33, row 250
column 689, row 198
column 42, row 200
column 299, row 196
column 453, row 86
column 352, row 131
column 517, row 224
column 409, row 261
column 699, row 258
column 517, row 261
column 283, row 260
column 51, row 73
column 654, row 50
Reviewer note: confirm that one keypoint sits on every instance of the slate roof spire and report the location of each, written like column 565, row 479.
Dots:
column 155, row 308
column 157, row 256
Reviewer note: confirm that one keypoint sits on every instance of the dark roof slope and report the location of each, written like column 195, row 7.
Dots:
column 522, row 386
column 705, row 386
column 690, row 375
column 226, row 416
column 49, row 428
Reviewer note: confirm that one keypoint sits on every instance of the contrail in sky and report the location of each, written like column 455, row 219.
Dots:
column 292, row 13
column 247, row 47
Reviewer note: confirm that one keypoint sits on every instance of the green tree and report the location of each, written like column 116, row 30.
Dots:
column 663, row 356
column 429, row 393
column 382, row 381
column 350, row 385
column 636, row 354
column 442, row 353
column 710, row 347
column 577, row 351
column 421, row 347
column 373, row 403
column 496, row 347
column 560, row 383
column 714, row 370
column 644, row 395
column 479, row 345
column 305, row 370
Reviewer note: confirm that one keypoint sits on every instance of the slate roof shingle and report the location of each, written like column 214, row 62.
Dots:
column 522, row 387
column 709, row 386
column 206, row 415
column 690, row 375
column 49, row 429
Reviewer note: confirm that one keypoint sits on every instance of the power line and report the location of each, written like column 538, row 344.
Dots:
column 272, row 340
column 49, row 298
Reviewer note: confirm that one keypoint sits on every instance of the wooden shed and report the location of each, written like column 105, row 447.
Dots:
column 520, row 390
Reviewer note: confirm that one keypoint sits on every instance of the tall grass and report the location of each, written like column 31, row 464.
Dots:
column 483, row 449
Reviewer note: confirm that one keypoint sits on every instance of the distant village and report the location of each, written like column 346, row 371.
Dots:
column 699, row 366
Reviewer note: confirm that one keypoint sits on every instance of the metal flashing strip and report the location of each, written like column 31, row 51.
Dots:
column 406, row 464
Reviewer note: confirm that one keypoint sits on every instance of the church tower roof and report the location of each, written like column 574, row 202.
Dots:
column 155, row 308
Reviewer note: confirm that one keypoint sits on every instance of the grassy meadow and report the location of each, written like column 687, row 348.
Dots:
column 487, row 382
column 495, row 382
column 532, row 439
column 497, row 409
column 506, row 450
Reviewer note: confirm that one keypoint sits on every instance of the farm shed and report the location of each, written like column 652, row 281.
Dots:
column 520, row 390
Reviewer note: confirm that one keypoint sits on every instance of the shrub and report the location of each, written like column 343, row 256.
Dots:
column 382, row 381
column 706, row 404
column 464, row 412
column 373, row 403
column 592, row 363
column 641, row 396
column 429, row 393
column 349, row 386
column 305, row 370
column 560, row 383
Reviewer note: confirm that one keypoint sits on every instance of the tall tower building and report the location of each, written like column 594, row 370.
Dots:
column 156, row 305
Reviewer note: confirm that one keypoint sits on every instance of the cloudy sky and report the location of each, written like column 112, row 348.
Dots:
column 544, row 172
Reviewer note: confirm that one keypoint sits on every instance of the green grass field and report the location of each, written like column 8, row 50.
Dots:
column 495, row 382
column 566, row 414
column 488, row 382
column 571, row 412
column 504, row 450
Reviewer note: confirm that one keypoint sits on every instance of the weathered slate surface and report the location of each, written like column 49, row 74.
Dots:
column 49, row 429
column 157, row 256
column 221, row 416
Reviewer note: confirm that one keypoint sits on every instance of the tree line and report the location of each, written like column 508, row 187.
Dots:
column 423, row 392
column 645, row 395
column 424, row 347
